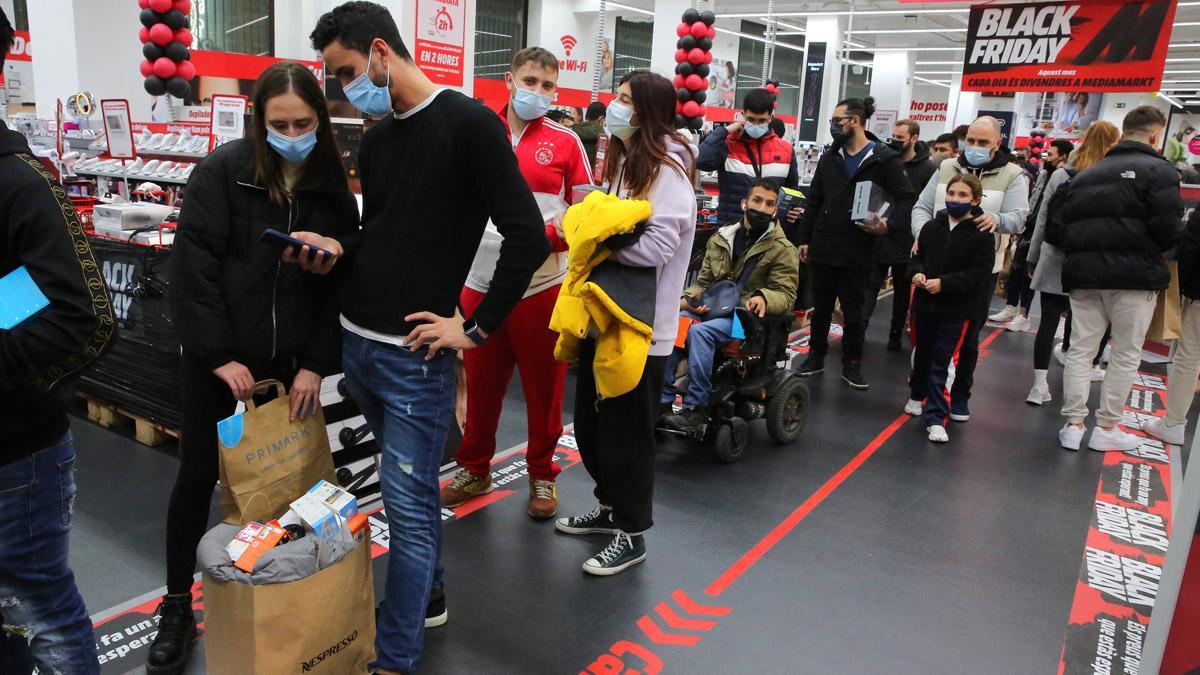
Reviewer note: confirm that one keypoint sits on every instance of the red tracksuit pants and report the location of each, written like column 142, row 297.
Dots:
column 525, row 341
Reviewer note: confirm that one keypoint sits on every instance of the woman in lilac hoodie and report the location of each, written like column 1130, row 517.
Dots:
column 647, row 159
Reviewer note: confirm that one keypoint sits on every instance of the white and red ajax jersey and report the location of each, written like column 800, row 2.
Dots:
column 553, row 161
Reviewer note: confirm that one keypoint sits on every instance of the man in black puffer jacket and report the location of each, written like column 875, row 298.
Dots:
column 1121, row 215
column 840, row 251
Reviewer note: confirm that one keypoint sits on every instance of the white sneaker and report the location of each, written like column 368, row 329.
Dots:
column 1020, row 324
column 1112, row 440
column 1164, row 432
column 1097, row 374
column 1005, row 315
column 937, row 434
column 1060, row 355
column 913, row 408
column 1071, row 437
column 1039, row 394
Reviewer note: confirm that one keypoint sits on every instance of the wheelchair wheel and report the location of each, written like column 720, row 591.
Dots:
column 730, row 442
column 788, row 411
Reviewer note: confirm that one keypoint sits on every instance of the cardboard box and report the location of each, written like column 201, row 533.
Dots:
column 242, row 541
column 318, row 518
column 335, row 498
column 266, row 539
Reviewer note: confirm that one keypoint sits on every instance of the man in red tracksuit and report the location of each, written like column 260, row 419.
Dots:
column 553, row 161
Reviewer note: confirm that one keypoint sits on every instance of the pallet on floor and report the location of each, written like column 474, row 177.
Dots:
column 145, row 431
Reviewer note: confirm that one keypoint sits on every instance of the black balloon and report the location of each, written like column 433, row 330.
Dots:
column 176, row 52
column 708, row 17
column 683, row 94
column 681, row 122
column 702, row 70
column 178, row 87
column 691, row 16
column 699, row 96
column 704, row 43
column 686, row 42
column 149, row 17
column 696, row 123
column 175, row 19
column 686, row 68
column 152, row 52
column 155, row 85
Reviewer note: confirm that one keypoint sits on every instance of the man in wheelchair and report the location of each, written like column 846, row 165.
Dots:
column 747, row 264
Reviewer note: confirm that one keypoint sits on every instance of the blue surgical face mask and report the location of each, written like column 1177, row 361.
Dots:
column 292, row 149
column 366, row 95
column 618, row 121
column 958, row 209
column 756, row 130
column 530, row 105
column 977, row 157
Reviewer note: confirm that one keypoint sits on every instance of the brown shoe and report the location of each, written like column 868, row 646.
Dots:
column 465, row 487
column 543, row 499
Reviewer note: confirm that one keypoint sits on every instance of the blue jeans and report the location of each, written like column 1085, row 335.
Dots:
column 703, row 341
column 44, row 621
column 937, row 340
column 408, row 402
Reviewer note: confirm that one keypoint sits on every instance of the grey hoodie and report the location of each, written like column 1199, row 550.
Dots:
column 666, row 244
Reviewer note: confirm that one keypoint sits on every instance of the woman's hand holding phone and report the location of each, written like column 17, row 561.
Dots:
column 317, row 262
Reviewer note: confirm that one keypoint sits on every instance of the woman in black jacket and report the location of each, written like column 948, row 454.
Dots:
column 243, row 313
column 952, row 263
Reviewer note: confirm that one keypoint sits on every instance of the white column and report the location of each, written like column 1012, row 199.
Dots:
column 891, row 81
column 55, row 57
column 829, row 30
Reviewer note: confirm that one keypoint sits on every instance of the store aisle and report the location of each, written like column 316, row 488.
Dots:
column 956, row 558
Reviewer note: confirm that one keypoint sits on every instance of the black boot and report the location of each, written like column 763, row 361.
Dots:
column 893, row 344
column 176, row 633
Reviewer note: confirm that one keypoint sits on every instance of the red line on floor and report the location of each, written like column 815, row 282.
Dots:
column 754, row 555
column 480, row 502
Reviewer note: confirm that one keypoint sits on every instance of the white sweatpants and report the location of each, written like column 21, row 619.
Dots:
column 1186, row 368
column 1129, row 313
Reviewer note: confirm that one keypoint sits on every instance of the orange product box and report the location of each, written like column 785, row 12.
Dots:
column 266, row 539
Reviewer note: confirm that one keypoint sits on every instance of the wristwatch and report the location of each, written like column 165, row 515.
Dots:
column 472, row 330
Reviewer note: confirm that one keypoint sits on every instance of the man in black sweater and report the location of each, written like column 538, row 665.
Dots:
column 45, row 623
column 434, row 171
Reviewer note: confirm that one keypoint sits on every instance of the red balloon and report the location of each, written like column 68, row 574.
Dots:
column 696, row 56
column 144, row 35
column 184, row 36
column 161, row 34
column 144, row 4
column 161, row 6
column 184, row 6
column 699, row 30
column 681, row 56
column 147, row 68
column 187, row 70
column 165, row 68
column 708, row 57
column 683, row 29
column 695, row 83
column 703, row 110
column 678, row 108
column 691, row 109
column 712, row 33
column 680, row 82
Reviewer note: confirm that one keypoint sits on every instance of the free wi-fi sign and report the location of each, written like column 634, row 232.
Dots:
column 568, row 43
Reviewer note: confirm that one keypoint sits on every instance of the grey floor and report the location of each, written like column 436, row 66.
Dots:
column 952, row 559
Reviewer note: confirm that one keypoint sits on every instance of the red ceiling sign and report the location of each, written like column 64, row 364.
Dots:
column 1092, row 45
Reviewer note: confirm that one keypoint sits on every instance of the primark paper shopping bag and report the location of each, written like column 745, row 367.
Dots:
column 1167, row 322
column 268, row 461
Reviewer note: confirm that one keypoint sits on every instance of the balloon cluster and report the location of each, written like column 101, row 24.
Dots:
column 694, row 53
column 1037, row 145
column 166, row 36
column 772, row 86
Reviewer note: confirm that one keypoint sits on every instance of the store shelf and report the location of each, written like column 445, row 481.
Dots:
column 132, row 176
column 169, row 154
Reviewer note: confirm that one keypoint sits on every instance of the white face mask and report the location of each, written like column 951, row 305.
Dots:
column 618, row 121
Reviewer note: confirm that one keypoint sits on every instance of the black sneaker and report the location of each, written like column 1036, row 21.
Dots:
column 813, row 365
column 176, row 633
column 852, row 374
column 688, row 419
column 959, row 411
column 893, row 344
column 625, row 551
column 436, row 613
column 596, row 521
column 665, row 410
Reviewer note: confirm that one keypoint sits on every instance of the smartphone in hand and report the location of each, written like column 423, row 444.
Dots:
column 285, row 241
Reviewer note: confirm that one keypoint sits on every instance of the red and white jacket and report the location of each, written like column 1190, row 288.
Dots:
column 553, row 161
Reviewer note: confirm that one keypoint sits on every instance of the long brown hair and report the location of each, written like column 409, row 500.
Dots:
column 1099, row 138
column 645, row 153
column 325, row 160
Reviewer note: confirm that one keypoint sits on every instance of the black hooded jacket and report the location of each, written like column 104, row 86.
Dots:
column 232, row 297
column 832, row 238
column 897, row 245
column 40, row 231
column 1121, row 215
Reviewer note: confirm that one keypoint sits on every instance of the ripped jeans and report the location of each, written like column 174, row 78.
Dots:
column 44, row 621
column 408, row 403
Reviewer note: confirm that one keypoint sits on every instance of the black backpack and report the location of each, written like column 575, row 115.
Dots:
column 1056, row 227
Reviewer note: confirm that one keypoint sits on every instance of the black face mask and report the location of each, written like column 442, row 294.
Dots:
column 759, row 221
column 896, row 145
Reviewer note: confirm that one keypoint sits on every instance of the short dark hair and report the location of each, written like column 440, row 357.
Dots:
column 860, row 108
column 778, row 127
column 356, row 25
column 947, row 138
column 538, row 55
column 1063, row 146
column 557, row 115
column 595, row 111
column 914, row 129
column 759, row 101
column 960, row 132
column 7, row 37
column 1142, row 120
column 764, row 184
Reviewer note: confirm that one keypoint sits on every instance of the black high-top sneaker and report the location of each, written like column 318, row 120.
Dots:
column 176, row 633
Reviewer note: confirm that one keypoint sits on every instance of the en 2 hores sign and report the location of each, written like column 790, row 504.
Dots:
column 1083, row 45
